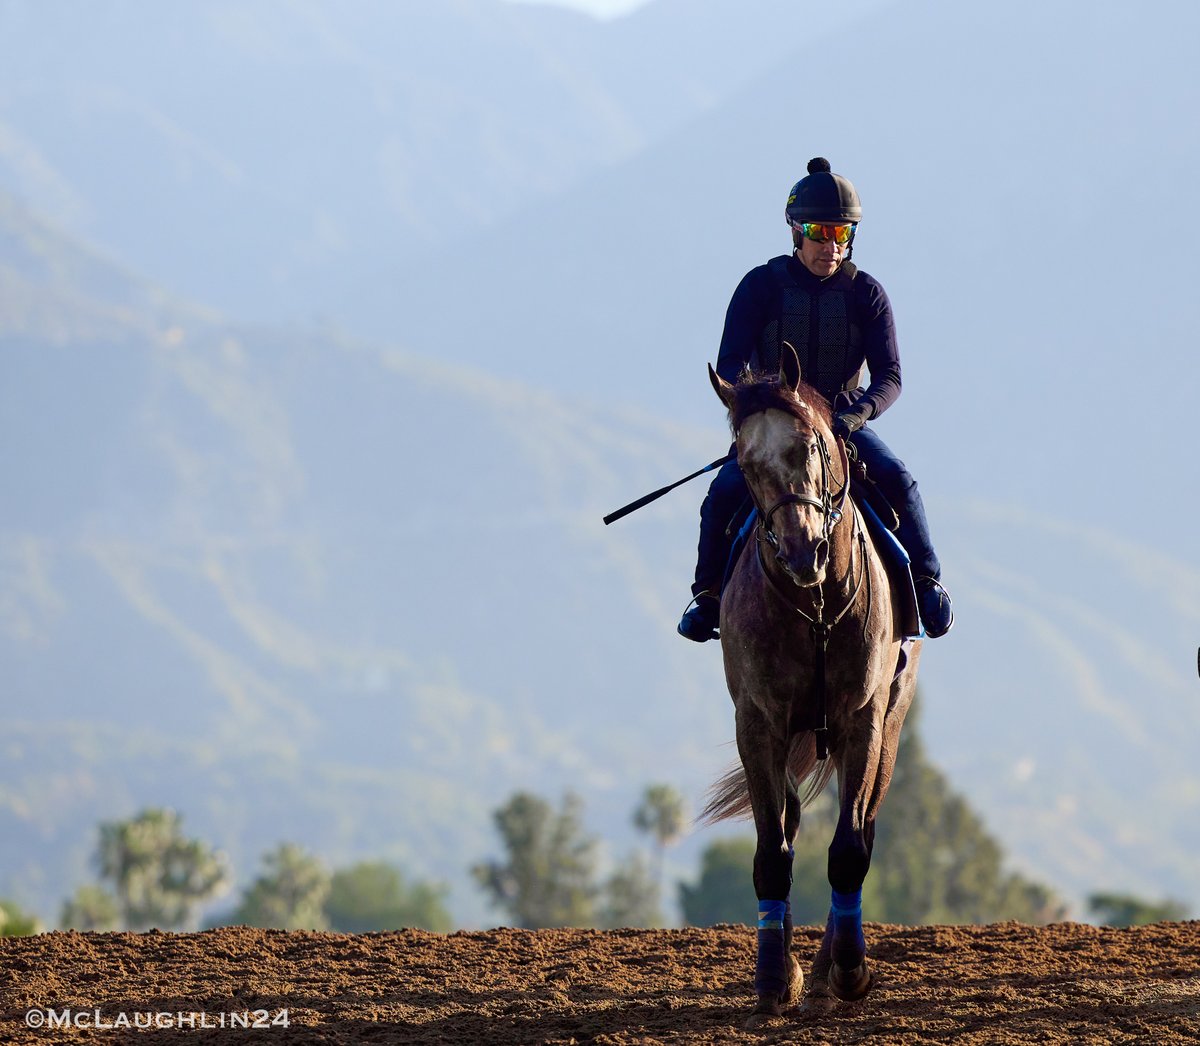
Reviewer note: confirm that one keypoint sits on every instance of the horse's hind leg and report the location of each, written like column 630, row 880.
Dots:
column 777, row 978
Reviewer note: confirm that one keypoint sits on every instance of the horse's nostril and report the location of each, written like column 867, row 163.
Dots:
column 803, row 566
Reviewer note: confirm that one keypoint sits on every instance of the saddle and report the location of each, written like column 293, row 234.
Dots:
column 883, row 522
column 896, row 562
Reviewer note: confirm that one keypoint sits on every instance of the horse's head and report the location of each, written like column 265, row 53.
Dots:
column 783, row 435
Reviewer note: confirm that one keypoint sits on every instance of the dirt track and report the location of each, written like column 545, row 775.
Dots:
column 998, row 984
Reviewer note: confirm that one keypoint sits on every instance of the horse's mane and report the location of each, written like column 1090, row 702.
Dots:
column 755, row 393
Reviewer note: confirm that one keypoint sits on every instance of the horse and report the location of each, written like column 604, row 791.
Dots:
column 818, row 677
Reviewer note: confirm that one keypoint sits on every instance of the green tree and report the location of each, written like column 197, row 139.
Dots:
column 631, row 896
column 373, row 895
column 662, row 815
column 1122, row 909
column 547, row 877
column 725, row 890
column 91, row 908
column 934, row 860
column 16, row 923
column 289, row 895
column 159, row 877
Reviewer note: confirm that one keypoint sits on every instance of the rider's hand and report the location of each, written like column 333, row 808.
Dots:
column 848, row 422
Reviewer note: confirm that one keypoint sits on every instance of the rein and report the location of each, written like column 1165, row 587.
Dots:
column 818, row 626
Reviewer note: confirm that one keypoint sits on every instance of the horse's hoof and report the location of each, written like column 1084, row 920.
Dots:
column 795, row 986
column 772, row 1006
column 766, row 1012
column 850, row 985
column 818, row 999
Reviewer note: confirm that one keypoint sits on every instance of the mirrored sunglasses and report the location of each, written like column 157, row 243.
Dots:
column 820, row 233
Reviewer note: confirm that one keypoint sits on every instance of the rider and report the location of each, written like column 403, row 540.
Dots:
column 837, row 318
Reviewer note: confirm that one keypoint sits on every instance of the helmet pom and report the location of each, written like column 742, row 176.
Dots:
column 817, row 164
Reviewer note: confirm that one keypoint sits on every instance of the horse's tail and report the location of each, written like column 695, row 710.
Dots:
column 728, row 798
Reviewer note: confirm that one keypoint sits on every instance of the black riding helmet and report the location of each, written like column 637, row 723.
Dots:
column 823, row 197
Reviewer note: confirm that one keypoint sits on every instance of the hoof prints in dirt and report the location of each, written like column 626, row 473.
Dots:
column 1066, row 983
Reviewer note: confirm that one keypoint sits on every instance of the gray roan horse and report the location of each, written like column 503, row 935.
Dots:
column 811, row 661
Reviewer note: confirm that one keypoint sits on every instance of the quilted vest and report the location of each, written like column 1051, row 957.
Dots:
column 820, row 325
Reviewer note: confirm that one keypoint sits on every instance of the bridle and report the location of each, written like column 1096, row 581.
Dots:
column 831, row 513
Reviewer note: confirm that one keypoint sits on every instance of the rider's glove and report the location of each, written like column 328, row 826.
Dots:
column 848, row 422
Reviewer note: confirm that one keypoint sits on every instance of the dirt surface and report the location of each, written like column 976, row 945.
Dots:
column 1007, row 983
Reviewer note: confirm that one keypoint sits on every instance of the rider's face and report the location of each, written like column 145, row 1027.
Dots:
column 821, row 259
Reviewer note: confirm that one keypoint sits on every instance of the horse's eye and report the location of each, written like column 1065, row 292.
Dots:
column 798, row 454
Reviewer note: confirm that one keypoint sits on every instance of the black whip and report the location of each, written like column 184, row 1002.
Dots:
column 633, row 506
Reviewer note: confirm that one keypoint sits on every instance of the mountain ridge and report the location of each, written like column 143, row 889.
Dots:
column 366, row 582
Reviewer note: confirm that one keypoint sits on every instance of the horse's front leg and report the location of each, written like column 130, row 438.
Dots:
column 791, row 825
column 842, row 959
column 777, row 976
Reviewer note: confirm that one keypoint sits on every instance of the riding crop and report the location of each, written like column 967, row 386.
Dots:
column 633, row 506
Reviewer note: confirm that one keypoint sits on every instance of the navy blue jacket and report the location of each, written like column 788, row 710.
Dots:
column 835, row 324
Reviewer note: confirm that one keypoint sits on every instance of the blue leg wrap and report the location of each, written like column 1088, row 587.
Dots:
column 771, row 973
column 849, row 945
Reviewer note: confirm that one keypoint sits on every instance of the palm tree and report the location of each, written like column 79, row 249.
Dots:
column 662, row 815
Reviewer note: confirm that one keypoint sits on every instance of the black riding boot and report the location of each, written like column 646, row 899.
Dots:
column 899, row 487
column 718, row 521
column 701, row 622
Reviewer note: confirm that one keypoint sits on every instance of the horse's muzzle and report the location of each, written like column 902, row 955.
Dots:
column 804, row 564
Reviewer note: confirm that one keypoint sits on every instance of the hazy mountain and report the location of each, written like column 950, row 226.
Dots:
column 990, row 203
column 305, row 588
column 1047, row 362
column 353, row 592
column 308, row 589
column 264, row 158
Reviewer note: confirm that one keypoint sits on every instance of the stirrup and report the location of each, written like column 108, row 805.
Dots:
column 701, row 622
column 938, row 616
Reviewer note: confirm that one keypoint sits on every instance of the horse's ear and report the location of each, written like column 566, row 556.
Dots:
column 722, row 388
column 789, row 366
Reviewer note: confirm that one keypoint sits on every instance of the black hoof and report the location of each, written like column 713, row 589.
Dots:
column 771, row 1007
column 818, row 1001
column 768, row 1010
column 850, row 985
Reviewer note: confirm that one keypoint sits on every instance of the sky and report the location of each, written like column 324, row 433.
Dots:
column 599, row 8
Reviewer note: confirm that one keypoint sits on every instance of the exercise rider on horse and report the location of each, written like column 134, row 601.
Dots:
column 837, row 318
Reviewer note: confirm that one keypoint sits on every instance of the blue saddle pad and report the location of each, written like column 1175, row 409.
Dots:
column 739, row 543
column 899, row 570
